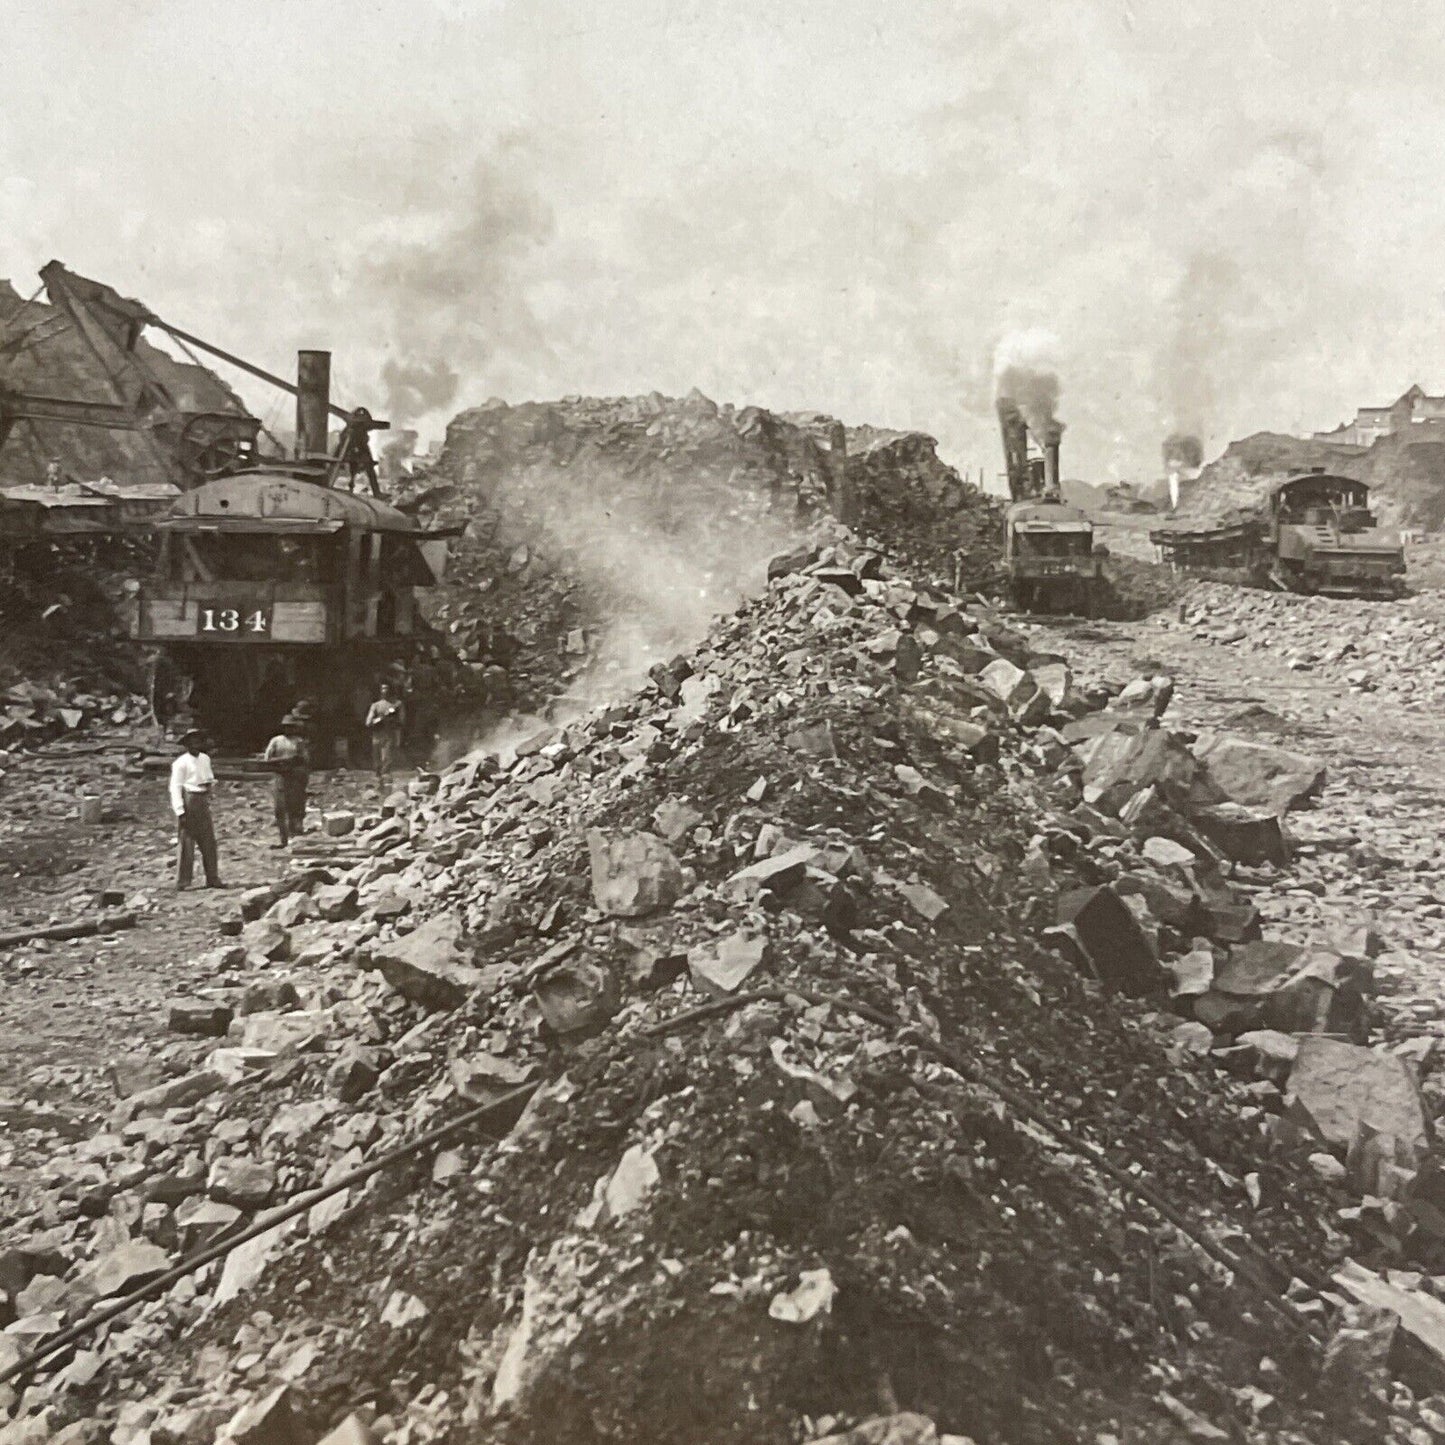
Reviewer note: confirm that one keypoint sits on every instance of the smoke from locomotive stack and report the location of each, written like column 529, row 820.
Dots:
column 1183, row 452
column 1025, row 374
column 1183, row 457
column 1035, row 393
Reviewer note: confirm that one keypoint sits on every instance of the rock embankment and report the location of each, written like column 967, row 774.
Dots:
column 603, row 535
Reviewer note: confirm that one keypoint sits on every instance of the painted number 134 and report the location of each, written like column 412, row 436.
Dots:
column 230, row 619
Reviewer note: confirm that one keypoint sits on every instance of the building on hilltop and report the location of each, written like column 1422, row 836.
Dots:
column 1414, row 407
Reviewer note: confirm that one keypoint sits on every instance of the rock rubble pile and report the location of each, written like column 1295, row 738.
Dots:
column 32, row 713
column 1392, row 650
column 63, row 665
column 836, row 1004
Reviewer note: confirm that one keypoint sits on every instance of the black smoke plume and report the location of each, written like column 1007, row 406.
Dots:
column 1181, row 450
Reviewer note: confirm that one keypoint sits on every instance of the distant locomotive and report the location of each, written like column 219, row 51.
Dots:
column 1312, row 533
column 1048, row 545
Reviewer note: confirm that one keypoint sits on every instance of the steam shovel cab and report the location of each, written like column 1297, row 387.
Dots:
column 271, row 589
column 274, row 586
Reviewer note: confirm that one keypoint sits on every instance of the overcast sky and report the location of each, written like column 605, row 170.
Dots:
column 1230, row 215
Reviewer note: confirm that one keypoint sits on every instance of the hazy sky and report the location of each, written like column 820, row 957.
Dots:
column 1230, row 215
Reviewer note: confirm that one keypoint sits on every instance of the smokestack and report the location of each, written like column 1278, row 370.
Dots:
column 845, row 494
column 1052, row 437
column 313, row 402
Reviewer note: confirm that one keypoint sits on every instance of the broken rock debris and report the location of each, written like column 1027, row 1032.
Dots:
column 980, row 844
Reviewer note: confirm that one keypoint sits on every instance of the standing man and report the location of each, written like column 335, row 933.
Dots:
column 384, row 721
column 291, row 758
column 191, row 784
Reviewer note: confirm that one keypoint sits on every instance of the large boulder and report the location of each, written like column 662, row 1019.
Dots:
column 721, row 966
column 121, row 1269
column 946, row 719
column 1149, row 696
column 1056, row 682
column 179, row 1093
column 335, row 901
column 775, row 874
column 964, row 653
column 1119, row 764
column 426, row 966
column 1115, row 949
column 1273, row 984
column 255, row 901
column 1170, row 901
column 293, row 910
column 577, row 996
column 1011, row 685
column 1258, row 775
column 1244, row 835
column 1192, row 972
column 270, row 1420
column 633, row 874
column 1344, row 1088
column 1227, row 919
column 268, row 938
column 241, row 1180
column 1421, row 1316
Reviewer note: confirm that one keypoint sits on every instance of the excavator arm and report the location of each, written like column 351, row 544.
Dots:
column 123, row 320
column 16, row 406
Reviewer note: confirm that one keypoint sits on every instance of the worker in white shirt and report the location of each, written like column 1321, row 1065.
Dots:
column 191, row 782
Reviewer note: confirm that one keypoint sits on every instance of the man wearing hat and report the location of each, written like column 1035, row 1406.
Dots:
column 289, row 756
column 191, row 782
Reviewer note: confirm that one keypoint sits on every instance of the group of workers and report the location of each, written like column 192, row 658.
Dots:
column 193, row 778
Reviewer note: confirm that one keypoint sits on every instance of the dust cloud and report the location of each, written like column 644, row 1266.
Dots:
column 416, row 388
column 652, row 551
column 662, row 568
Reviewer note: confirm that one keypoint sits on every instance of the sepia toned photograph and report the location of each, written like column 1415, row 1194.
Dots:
column 721, row 722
